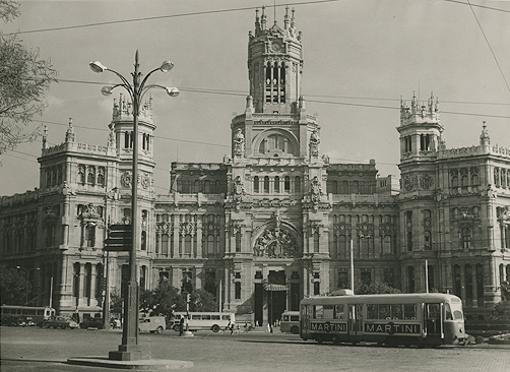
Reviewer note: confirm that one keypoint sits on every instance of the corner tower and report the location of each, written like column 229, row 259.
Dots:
column 275, row 63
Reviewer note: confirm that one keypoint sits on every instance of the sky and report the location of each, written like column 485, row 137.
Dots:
column 357, row 54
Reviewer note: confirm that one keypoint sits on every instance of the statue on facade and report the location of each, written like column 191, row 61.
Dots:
column 239, row 142
column 314, row 143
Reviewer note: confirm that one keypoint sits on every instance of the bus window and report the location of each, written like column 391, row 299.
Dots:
column 410, row 312
column 457, row 315
column 196, row 316
column 225, row 317
column 285, row 318
column 448, row 312
column 384, row 311
column 396, row 312
column 340, row 311
column 206, row 317
column 372, row 311
column 294, row 318
column 328, row 311
column 318, row 312
column 215, row 317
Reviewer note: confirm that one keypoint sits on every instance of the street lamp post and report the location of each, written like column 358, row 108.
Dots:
column 129, row 349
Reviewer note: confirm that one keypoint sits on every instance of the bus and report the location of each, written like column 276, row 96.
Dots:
column 290, row 322
column 213, row 321
column 22, row 315
column 393, row 319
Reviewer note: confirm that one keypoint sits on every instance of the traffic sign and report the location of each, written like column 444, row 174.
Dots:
column 119, row 238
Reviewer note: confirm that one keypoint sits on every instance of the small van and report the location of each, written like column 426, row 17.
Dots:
column 152, row 324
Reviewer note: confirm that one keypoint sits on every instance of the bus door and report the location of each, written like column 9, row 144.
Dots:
column 433, row 320
column 354, row 324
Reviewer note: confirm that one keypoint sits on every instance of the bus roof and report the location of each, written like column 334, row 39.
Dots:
column 381, row 298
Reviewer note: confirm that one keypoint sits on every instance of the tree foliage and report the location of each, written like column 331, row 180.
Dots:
column 24, row 79
column 166, row 299
column 14, row 285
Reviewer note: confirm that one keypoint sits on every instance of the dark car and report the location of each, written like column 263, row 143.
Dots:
column 92, row 323
column 58, row 322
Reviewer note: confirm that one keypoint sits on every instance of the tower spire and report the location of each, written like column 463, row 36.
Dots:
column 274, row 11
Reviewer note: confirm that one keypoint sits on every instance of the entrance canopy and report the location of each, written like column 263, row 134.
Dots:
column 275, row 287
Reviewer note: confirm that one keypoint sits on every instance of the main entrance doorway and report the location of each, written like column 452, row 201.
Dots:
column 276, row 302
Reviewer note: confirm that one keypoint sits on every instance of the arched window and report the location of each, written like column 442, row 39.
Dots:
column 255, row 184
column 387, row 246
column 59, row 175
column 355, row 187
column 126, row 139
column 266, row 184
column 207, row 187
column 100, row 176
column 81, row 174
column 277, row 184
column 455, row 181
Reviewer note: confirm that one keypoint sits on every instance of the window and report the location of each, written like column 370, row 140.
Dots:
column 384, row 312
column 144, row 240
column 409, row 311
column 256, row 184
column 238, row 241
column 277, row 184
column 318, row 312
column 316, row 288
column 286, row 184
column 237, row 290
column 409, row 230
column 366, row 277
column 388, row 276
column 448, row 312
column 81, row 174
column 396, row 312
column 266, row 184
column 343, row 279
column 90, row 235
column 465, row 239
column 410, row 279
column 187, row 245
column 339, row 312
column 101, row 176
column 316, row 242
column 297, row 184
column 91, row 175
column 372, row 311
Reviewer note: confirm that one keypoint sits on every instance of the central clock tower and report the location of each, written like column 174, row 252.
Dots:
column 275, row 64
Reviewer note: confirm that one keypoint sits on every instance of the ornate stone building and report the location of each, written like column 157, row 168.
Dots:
column 274, row 221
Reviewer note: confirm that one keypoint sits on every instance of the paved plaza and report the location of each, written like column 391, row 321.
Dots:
column 34, row 349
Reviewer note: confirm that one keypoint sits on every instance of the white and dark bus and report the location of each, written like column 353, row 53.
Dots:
column 393, row 319
column 14, row 315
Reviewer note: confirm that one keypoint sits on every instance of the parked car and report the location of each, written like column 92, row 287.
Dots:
column 153, row 324
column 92, row 323
column 59, row 322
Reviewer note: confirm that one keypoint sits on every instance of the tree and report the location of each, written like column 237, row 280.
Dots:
column 24, row 79
column 376, row 288
column 201, row 300
column 14, row 286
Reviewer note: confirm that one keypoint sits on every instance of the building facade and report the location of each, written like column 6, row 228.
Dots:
column 274, row 221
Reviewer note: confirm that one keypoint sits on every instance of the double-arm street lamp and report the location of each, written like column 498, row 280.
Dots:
column 129, row 349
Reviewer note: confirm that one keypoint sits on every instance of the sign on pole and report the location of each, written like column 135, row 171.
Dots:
column 119, row 238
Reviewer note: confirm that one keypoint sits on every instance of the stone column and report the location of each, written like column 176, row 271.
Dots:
column 474, row 285
column 463, row 283
column 81, row 284
column 92, row 296
column 199, row 237
column 503, row 235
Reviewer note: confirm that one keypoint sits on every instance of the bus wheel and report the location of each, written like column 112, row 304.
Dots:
column 294, row 330
column 215, row 328
column 176, row 328
column 159, row 330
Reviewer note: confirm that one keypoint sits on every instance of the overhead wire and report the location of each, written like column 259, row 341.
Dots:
column 212, row 11
column 184, row 14
column 490, row 46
